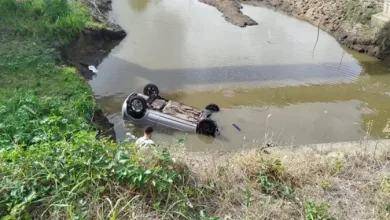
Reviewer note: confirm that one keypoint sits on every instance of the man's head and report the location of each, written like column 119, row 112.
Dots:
column 148, row 131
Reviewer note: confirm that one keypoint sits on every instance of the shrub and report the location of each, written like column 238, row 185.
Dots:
column 359, row 11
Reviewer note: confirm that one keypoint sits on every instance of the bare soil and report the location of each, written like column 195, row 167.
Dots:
column 348, row 21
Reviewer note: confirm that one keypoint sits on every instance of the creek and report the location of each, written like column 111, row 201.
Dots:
column 274, row 80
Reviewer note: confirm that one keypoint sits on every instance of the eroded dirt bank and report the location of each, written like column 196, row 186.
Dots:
column 348, row 21
column 91, row 47
column 232, row 12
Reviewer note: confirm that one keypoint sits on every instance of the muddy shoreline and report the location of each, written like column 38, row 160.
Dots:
column 335, row 17
column 232, row 12
column 90, row 47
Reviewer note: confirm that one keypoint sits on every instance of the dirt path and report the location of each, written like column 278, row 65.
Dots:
column 348, row 21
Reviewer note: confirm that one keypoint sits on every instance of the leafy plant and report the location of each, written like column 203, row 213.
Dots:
column 274, row 188
column 317, row 211
column 269, row 179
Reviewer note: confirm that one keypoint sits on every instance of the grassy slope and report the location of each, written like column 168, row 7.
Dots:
column 52, row 166
column 29, row 34
column 43, row 104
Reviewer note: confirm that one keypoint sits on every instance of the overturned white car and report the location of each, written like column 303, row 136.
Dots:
column 151, row 109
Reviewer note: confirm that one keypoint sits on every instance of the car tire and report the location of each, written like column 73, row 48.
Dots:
column 206, row 127
column 151, row 89
column 136, row 107
column 212, row 107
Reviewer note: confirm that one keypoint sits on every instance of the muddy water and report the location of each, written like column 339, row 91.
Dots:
column 272, row 80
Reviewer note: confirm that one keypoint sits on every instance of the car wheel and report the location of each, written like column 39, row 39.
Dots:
column 136, row 107
column 151, row 89
column 212, row 107
column 206, row 127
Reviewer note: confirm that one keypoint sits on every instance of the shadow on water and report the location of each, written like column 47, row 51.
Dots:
column 118, row 76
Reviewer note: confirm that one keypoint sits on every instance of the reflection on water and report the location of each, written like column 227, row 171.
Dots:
column 141, row 5
column 196, row 57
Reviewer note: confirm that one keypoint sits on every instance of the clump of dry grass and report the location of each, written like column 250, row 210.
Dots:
column 238, row 194
column 353, row 181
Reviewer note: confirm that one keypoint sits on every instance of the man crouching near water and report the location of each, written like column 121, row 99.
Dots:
column 145, row 141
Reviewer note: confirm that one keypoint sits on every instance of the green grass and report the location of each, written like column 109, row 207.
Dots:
column 29, row 64
column 48, row 20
